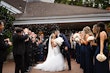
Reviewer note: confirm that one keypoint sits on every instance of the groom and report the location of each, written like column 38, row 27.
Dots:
column 65, row 47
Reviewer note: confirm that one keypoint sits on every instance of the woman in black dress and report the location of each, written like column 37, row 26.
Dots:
column 87, row 55
column 101, row 67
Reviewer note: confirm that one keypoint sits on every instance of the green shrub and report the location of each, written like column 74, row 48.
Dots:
column 8, row 19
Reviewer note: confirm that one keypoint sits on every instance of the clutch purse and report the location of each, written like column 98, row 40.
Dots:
column 101, row 57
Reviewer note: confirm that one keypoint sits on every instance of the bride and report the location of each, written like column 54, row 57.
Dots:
column 54, row 61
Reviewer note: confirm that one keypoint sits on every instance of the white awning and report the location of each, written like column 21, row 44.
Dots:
column 63, row 19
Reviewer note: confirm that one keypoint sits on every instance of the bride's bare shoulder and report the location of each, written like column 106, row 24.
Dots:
column 53, row 43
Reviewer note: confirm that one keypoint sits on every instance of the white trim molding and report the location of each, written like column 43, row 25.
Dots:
column 64, row 19
column 10, row 7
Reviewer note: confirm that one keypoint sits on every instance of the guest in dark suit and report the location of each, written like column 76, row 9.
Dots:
column 28, row 51
column 19, row 49
column 65, row 47
column 4, row 44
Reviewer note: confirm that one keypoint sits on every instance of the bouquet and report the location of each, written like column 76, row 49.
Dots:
column 90, row 38
column 59, row 41
column 101, row 57
column 76, row 37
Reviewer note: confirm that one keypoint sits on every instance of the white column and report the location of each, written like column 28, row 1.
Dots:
column 109, row 1
column 83, row 1
column 100, row 5
column 89, row 0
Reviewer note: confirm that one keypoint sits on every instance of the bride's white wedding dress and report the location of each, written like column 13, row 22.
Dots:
column 54, row 60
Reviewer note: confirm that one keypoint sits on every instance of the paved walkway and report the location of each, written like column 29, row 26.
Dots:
column 9, row 68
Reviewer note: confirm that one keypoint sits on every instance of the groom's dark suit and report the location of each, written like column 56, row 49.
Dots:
column 66, row 53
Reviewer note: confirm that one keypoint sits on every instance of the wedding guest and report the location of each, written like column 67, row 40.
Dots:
column 28, row 51
column 72, row 46
column 4, row 45
column 41, row 46
column 34, row 48
column 82, row 51
column 19, row 48
column 94, row 43
column 101, row 65
column 77, row 38
column 88, row 67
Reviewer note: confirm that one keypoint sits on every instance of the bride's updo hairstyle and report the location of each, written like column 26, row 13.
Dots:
column 54, row 28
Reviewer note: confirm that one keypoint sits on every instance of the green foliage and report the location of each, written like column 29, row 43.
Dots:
column 104, row 3
column 109, row 43
column 64, row 1
column 79, row 3
column 8, row 18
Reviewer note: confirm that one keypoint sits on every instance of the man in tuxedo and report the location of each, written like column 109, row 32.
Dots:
column 65, row 47
column 19, row 49
column 4, row 44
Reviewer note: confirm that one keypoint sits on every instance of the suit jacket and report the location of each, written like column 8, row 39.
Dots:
column 28, row 46
column 65, row 43
column 3, row 48
column 19, row 44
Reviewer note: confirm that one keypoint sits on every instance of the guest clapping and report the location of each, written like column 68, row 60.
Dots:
column 19, row 38
column 4, row 44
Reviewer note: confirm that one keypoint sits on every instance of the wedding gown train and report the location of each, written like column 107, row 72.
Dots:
column 54, row 61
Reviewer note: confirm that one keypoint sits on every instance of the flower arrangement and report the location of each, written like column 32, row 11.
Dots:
column 59, row 41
